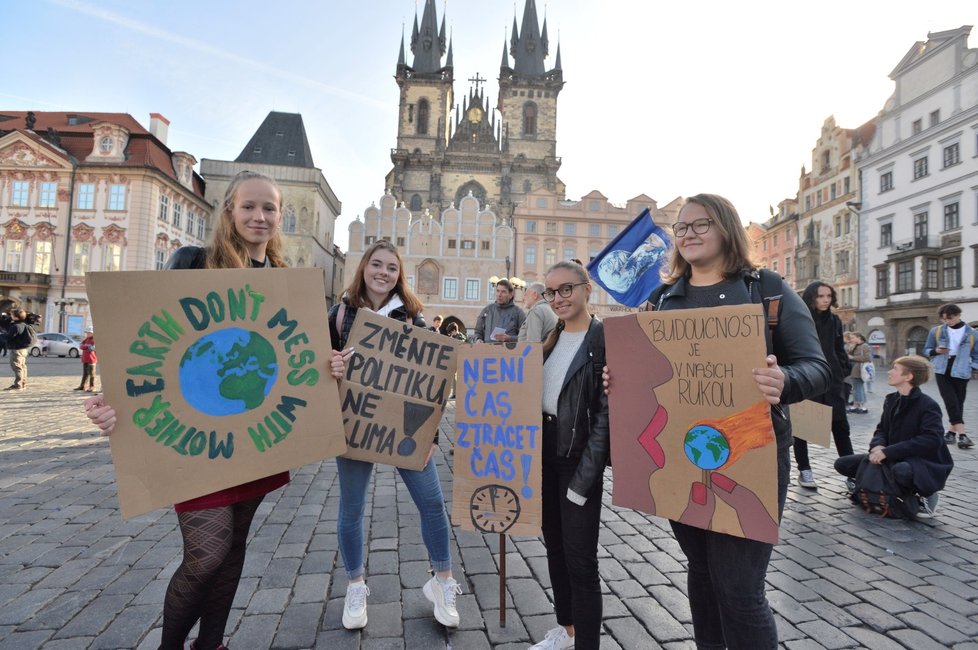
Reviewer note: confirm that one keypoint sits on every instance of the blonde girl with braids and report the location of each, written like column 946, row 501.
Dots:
column 215, row 526
column 574, row 455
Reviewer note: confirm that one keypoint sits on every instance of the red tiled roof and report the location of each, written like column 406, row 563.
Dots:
column 77, row 138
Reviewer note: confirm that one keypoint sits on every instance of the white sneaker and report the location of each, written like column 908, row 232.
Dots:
column 443, row 596
column 928, row 506
column 355, row 606
column 806, row 479
column 556, row 639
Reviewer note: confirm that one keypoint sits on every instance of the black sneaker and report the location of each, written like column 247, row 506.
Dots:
column 949, row 437
column 964, row 442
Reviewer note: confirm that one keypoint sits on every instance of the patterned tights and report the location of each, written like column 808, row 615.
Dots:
column 203, row 586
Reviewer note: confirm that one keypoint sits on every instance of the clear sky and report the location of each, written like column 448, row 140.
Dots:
column 662, row 98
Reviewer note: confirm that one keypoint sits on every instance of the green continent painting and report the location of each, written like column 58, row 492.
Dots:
column 228, row 372
column 706, row 447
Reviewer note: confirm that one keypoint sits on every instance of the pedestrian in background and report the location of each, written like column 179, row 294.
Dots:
column 500, row 321
column 540, row 318
column 88, row 359
column 951, row 348
column 858, row 355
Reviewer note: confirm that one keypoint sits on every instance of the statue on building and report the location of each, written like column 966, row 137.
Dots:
column 30, row 120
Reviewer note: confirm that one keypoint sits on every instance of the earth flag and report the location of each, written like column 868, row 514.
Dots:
column 628, row 267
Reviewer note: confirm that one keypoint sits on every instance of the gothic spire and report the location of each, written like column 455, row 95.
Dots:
column 557, row 65
column 427, row 44
column 505, row 62
column 529, row 48
column 448, row 59
column 544, row 40
column 400, row 57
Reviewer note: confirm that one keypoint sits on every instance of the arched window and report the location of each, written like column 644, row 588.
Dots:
column 416, row 202
column 477, row 190
column 529, row 118
column 424, row 109
column 427, row 277
column 527, row 186
column 288, row 220
column 916, row 339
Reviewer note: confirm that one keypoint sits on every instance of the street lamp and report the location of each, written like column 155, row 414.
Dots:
column 62, row 310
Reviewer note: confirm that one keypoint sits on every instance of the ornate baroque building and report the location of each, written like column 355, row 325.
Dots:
column 280, row 150
column 918, row 227
column 86, row 192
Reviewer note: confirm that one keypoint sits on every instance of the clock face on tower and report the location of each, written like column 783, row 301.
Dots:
column 105, row 144
column 494, row 508
column 474, row 114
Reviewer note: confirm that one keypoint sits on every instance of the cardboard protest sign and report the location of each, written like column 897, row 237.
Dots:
column 218, row 377
column 397, row 383
column 498, row 439
column 812, row 421
column 691, row 435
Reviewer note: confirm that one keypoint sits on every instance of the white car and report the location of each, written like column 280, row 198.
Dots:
column 54, row 344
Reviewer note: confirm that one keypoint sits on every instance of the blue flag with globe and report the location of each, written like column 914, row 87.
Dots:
column 628, row 268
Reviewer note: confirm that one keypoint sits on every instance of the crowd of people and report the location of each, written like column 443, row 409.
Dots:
column 709, row 265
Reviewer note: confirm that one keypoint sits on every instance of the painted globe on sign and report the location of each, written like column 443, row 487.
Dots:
column 706, row 447
column 228, row 372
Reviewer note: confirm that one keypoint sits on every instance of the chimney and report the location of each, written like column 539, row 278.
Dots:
column 158, row 126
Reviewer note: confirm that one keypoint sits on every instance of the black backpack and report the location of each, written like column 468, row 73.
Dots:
column 877, row 492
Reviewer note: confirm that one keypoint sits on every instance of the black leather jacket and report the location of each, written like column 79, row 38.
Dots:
column 794, row 342
column 582, row 412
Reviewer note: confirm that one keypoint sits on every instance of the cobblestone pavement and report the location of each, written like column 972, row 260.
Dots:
column 74, row 574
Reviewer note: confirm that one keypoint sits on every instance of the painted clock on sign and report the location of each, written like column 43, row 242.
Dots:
column 494, row 508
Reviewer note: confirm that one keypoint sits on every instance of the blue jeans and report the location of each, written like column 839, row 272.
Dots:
column 858, row 390
column 726, row 582
column 425, row 490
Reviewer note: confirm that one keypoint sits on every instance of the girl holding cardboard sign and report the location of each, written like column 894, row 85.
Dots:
column 215, row 526
column 574, row 455
column 710, row 266
column 380, row 285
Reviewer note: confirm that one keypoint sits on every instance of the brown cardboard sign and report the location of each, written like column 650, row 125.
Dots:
column 499, row 438
column 812, row 421
column 397, row 383
column 218, row 377
column 691, row 434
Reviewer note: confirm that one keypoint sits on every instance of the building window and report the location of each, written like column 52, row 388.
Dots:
column 886, row 235
column 468, row 245
column 15, row 253
column 191, row 221
column 841, row 263
column 930, row 273
column 416, row 202
column 450, row 289
column 594, row 229
column 848, row 223
column 472, row 289
column 86, row 196
column 424, row 109
column 81, row 253
column 774, row 266
column 920, row 168
column 527, row 186
column 613, row 230
column 117, row 197
column 370, row 239
column 808, row 203
column 484, row 244
column 541, row 201
column 177, row 215
column 49, row 195
column 201, row 227
column 832, row 191
column 883, row 282
column 112, row 257
column 787, row 265
column 570, row 253
column 952, row 154
column 160, row 259
column 551, row 228
column 838, row 227
column 920, row 227
column 904, row 279
column 400, row 242
column 549, row 256
column 531, row 226
column 529, row 118
column 952, row 272
column 164, row 212
column 530, row 255
column 452, row 244
column 18, row 194
column 916, row 127
column 935, row 117
column 886, row 181
column 288, row 220
column 774, row 240
column 846, row 185
column 570, row 229
column 42, row 257
column 952, row 217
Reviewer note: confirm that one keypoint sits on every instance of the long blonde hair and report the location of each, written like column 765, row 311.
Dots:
column 735, row 244
column 582, row 276
column 356, row 292
column 227, row 249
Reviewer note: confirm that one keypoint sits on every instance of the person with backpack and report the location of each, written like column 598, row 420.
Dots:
column 951, row 348
column 380, row 285
column 20, row 336
column 821, row 298
column 710, row 266
column 908, row 439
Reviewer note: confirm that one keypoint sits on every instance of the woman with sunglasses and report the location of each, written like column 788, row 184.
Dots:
column 710, row 266
column 574, row 455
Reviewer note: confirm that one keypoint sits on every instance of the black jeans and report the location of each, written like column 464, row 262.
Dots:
column 953, row 391
column 840, row 433
column 570, row 533
column 902, row 471
column 726, row 582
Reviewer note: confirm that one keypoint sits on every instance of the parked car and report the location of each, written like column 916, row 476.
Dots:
column 55, row 344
